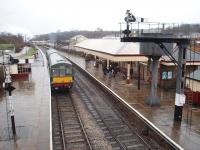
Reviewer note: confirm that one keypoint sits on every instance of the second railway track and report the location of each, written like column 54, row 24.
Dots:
column 116, row 131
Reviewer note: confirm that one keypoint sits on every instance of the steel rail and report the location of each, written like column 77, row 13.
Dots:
column 81, row 123
column 61, row 124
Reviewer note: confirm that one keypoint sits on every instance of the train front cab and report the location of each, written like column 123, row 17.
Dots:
column 61, row 77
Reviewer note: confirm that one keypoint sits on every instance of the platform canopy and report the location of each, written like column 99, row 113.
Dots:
column 111, row 49
column 192, row 58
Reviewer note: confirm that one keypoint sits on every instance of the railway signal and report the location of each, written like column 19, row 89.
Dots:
column 8, row 87
column 130, row 18
column 13, row 60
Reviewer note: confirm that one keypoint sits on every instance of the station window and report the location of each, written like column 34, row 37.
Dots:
column 24, row 68
column 166, row 75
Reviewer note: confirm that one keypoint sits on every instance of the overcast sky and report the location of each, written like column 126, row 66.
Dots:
column 44, row 16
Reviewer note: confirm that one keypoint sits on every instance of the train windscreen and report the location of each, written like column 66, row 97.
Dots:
column 55, row 72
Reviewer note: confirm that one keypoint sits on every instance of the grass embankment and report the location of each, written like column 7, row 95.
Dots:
column 6, row 46
column 31, row 52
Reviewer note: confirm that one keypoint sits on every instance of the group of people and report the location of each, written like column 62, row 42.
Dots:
column 111, row 70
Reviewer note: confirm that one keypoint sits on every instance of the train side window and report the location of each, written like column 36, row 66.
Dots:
column 62, row 72
column 55, row 72
column 68, row 70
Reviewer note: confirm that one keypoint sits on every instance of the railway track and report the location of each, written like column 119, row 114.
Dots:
column 116, row 130
column 68, row 130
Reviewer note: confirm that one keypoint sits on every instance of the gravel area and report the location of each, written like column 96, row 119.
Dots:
column 95, row 134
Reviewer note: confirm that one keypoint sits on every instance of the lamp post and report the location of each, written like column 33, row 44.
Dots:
column 8, row 87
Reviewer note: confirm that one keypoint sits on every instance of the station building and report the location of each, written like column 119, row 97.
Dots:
column 132, row 63
column 21, row 68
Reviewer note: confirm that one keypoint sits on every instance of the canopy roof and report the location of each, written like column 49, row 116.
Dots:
column 112, row 49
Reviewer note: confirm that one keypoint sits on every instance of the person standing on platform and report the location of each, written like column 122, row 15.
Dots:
column 110, row 71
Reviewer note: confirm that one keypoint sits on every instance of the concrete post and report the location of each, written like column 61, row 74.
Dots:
column 153, row 98
column 108, row 63
column 96, row 63
column 180, row 83
column 138, row 75
column 128, row 73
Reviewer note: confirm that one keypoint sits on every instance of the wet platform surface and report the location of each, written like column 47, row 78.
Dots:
column 186, row 133
column 31, row 101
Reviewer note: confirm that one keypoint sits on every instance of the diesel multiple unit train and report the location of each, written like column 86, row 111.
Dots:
column 60, row 70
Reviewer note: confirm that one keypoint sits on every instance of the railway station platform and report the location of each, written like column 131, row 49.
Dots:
column 31, row 102
column 186, row 133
